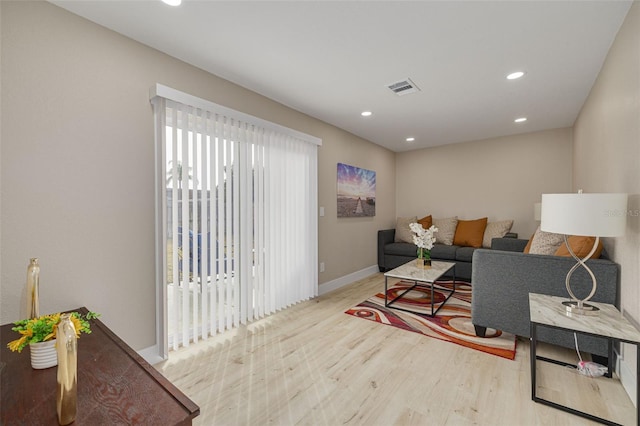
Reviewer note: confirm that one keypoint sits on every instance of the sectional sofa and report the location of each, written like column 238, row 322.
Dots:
column 457, row 241
column 503, row 277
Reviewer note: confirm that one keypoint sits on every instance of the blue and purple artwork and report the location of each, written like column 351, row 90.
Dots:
column 356, row 191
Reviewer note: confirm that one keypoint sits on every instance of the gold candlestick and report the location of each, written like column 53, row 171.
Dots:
column 33, row 288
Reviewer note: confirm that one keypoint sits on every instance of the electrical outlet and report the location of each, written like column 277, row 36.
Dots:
column 321, row 266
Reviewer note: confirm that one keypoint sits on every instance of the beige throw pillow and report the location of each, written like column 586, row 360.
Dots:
column 496, row 230
column 403, row 232
column 446, row 230
column 545, row 242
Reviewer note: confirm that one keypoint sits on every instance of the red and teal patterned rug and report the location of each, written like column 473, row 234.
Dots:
column 452, row 323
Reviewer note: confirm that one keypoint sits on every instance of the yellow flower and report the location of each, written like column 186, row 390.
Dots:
column 45, row 328
column 77, row 325
column 15, row 345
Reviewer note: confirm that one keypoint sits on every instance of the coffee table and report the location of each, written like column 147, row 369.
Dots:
column 421, row 278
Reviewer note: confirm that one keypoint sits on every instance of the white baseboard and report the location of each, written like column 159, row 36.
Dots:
column 325, row 288
column 150, row 354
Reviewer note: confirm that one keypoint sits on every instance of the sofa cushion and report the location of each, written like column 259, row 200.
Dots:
column 426, row 222
column 465, row 254
column 401, row 249
column 444, row 252
column 545, row 242
column 581, row 246
column 403, row 232
column 446, row 229
column 496, row 230
column 469, row 233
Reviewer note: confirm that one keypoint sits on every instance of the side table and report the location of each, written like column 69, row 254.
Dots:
column 548, row 311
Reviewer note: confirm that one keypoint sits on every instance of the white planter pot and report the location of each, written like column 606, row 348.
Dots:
column 43, row 354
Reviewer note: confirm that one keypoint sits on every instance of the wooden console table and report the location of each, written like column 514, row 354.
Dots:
column 115, row 386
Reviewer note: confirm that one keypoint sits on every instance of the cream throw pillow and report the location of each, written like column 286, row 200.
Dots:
column 545, row 242
column 403, row 232
column 446, row 229
column 496, row 230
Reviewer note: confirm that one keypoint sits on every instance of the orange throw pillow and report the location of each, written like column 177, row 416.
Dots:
column 426, row 222
column 469, row 233
column 581, row 246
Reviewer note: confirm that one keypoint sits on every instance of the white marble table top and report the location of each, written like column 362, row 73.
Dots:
column 609, row 322
column 409, row 271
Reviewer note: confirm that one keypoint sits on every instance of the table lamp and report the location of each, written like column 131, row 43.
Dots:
column 594, row 215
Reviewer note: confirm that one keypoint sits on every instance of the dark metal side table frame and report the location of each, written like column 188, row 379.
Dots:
column 418, row 283
column 534, row 357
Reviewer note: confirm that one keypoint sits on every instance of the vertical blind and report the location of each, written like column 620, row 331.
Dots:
column 236, row 217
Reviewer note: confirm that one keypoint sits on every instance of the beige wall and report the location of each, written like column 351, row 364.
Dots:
column 607, row 153
column 349, row 245
column 499, row 178
column 77, row 167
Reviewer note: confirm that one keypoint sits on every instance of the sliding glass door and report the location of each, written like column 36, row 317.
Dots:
column 237, row 219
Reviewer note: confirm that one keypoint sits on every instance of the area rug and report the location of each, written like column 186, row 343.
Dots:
column 452, row 323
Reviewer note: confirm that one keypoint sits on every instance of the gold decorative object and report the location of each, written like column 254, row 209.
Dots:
column 33, row 288
column 67, row 347
column 423, row 263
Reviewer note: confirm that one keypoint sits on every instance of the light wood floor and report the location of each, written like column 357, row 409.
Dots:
column 312, row 364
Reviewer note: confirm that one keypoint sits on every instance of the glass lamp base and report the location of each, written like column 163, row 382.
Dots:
column 574, row 307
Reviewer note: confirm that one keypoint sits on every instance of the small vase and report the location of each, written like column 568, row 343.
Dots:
column 43, row 354
column 67, row 394
column 33, row 288
column 424, row 259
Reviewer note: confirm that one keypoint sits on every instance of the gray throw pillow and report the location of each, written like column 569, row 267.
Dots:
column 403, row 232
column 446, row 229
column 545, row 242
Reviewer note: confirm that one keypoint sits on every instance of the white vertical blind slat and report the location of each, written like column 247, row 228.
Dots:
column 186, row 246
column 204, row 225
column 236, row 226
column 173, row 325
column 213, row 220
column 244, row 229
column 194, row 289
column 259, row 226
column 221, row 241
column 230, row 272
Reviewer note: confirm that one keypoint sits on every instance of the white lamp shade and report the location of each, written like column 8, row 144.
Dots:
column 597, row 215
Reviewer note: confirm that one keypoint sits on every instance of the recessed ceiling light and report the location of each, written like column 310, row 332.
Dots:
column 410, row 139
column 366, row 113
column 172, row 2
column 515, row 75
column 520, row 120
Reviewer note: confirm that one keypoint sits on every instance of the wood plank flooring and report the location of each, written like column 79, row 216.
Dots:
column 312, row 364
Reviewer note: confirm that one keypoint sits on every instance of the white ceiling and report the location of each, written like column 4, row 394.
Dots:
column 333, row 59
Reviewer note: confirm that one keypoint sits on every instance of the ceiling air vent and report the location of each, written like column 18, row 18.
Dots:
column 403, row 87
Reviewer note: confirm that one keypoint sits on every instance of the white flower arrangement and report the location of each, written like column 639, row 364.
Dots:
column 423, row 238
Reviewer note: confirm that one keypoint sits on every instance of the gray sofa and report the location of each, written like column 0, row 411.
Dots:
column 392, row 254
column 503, row 277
